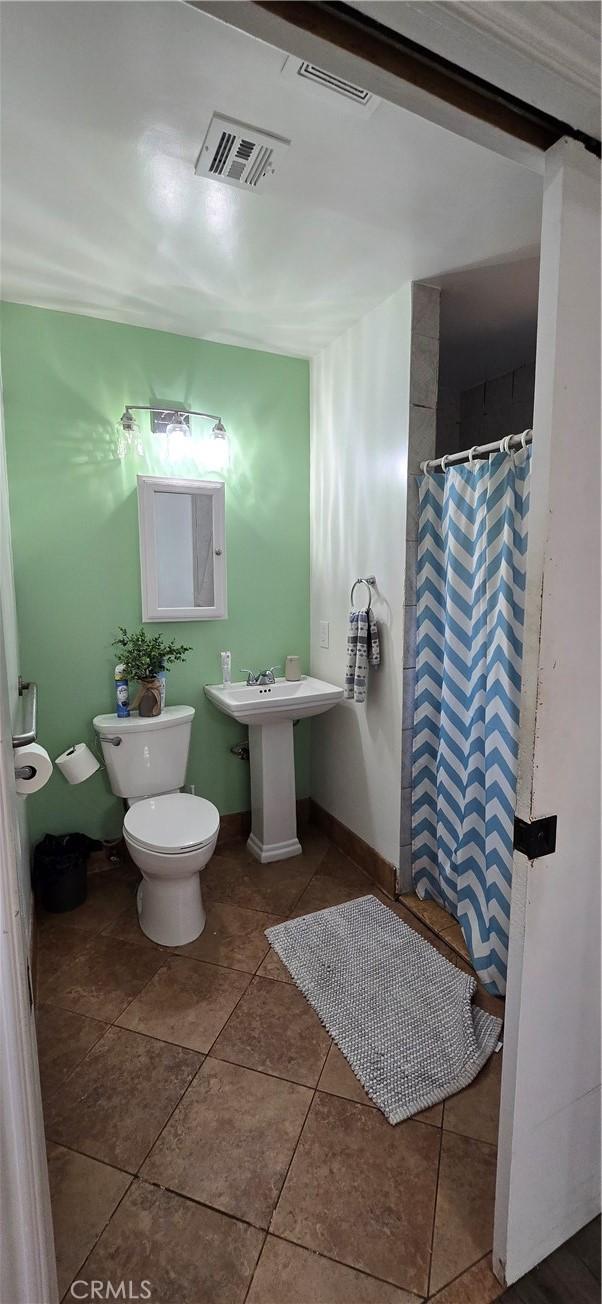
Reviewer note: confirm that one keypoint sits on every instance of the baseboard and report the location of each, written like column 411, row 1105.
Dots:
column 371, row 861
column 237, row 824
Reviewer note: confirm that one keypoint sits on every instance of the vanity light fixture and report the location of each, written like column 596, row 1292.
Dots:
column 215, row 450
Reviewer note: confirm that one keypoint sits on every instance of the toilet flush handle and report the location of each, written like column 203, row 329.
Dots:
column 115, row 742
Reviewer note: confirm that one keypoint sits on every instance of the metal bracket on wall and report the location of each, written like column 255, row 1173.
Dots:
column 535, row 838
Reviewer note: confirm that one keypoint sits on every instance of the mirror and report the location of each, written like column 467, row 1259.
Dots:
column 182, row 549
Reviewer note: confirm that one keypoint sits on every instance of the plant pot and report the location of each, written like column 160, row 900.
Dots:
column 150, row 697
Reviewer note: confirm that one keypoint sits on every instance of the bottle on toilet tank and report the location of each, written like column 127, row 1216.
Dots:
column 122, row 692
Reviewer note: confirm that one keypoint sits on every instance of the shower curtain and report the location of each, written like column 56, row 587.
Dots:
column 470, row 607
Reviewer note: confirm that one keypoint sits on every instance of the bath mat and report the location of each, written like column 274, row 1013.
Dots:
column 401, row 1014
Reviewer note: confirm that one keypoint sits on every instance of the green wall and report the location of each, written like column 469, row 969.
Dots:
column 75, row 532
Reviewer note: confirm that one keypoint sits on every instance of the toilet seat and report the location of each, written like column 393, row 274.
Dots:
column 171, row 824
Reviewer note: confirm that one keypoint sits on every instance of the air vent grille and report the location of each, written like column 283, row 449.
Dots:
column 239, row 154
column 327, row 84
column 310, row 72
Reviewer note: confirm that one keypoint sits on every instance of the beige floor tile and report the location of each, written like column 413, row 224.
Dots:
column 493, row 1004
column 127, row 928
column 338, row 1079
column 363, row 1192
column 475, row 1110
column 187, row 1002
column 464, row 1214
column 63, row 1039
column 273, row 889
column 108, row 895
column 103, row 978
column 56, row 946
column 275, row 1030
column 233, row 936
column 325, row 891
column 272, row 967
column 83, row 1194
column 230, row 1141
column 455, row 938
column 115, row 1104
column 432, row 913
column 187, row 1254
column 337, row 865
column 315, row 844
column 477, row 1286
column 288, row 1274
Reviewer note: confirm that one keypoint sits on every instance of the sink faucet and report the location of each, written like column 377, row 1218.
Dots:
column 262, row 677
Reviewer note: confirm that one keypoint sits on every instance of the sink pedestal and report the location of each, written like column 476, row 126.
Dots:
column 273, row 802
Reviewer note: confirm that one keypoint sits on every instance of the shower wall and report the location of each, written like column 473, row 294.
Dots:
column 499, row 406
column 424, row 374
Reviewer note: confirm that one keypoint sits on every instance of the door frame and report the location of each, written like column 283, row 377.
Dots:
column 27, row 1259
column 548, row 1174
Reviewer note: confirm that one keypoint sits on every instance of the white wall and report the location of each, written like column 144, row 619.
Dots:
column 359, row 458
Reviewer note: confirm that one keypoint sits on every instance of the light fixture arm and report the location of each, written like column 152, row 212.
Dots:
column 177, row 412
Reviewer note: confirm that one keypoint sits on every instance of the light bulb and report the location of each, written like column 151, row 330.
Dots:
column 178, row 427
column 218, row 448
column 128, row 435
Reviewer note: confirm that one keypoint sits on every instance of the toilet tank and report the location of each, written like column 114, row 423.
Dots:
column 152, row 753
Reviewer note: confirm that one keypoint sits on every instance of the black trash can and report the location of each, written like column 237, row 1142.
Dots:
column 60, row 870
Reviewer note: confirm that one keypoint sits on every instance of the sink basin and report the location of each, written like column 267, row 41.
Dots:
column 260, row 704
column 269, row 711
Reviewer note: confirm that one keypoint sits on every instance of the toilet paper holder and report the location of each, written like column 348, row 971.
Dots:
column 30, row 734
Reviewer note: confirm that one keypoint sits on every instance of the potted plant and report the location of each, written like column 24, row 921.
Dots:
column 143, row 656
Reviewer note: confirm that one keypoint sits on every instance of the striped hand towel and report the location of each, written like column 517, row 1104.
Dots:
column 363, row 649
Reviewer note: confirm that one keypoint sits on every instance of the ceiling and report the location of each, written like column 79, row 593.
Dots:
column 546, row 52
column 104, row 110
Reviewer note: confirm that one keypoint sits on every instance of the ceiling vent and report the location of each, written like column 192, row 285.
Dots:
column 239, row 154
column 328, row 83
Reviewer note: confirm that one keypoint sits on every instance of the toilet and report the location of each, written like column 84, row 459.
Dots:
column 170, row 834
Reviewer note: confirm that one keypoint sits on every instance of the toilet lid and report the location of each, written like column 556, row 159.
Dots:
column 174, row 822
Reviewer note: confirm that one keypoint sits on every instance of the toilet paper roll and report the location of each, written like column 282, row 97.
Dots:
column 37, row 767
column 77, row 763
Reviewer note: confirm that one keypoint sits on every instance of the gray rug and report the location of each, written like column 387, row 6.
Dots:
column 398, row 1010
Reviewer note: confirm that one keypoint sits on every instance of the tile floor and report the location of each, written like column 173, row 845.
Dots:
column 205, row 1134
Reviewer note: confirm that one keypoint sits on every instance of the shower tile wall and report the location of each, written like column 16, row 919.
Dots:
column 424, row 374
column 500, row 406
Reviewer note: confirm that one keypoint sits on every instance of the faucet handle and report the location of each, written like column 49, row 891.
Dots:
column 251, row 676
column 272, row 669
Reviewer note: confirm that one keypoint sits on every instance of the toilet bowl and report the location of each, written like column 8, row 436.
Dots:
column 171, row 838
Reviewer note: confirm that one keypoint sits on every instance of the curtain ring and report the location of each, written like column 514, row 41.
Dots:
column 444, row 461
column 523, row 438
column 472, row 452
column 424, row 467
column 505, row 444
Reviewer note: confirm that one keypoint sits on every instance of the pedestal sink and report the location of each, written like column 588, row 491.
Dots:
column 269, row 711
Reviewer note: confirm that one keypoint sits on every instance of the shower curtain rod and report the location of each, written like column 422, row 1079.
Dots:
column 479, row 450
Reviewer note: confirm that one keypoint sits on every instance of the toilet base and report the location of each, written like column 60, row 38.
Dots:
column 171, row 913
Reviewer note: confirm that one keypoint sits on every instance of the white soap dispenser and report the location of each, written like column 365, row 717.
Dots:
column 226, row 664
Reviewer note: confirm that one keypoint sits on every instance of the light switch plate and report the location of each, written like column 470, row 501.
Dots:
column 324, row 633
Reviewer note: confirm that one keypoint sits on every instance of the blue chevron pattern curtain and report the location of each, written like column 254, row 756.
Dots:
column 470, row 607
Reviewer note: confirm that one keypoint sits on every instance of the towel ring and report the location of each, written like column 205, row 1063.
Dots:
column 368, row 580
